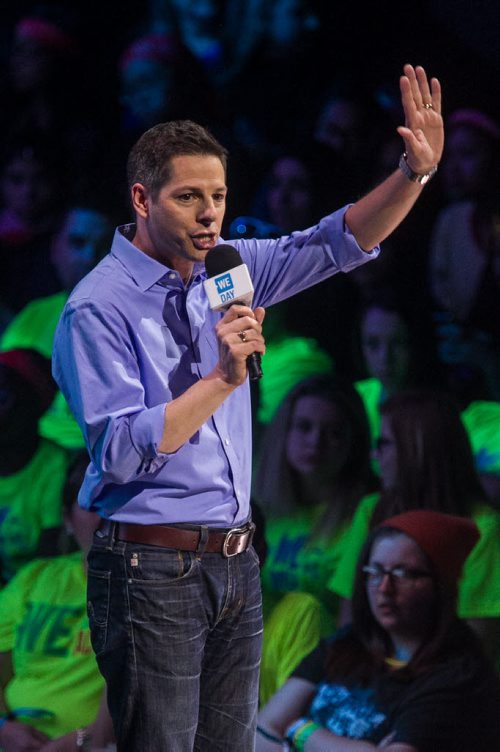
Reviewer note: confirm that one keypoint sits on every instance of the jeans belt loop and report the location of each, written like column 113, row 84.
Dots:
column 105, row 533
column 202, row 542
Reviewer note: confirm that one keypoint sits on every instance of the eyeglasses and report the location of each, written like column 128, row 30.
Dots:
column 401, row 576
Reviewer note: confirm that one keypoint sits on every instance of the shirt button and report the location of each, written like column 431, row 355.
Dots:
column 172, row 275
column 227, row 442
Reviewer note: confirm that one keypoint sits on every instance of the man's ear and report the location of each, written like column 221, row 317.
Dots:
column 140, row 199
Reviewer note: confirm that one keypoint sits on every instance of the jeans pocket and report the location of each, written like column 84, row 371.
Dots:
column 152, row 567
column 98, row 595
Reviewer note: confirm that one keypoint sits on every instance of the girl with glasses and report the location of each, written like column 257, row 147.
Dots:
column 426, row 462
column 407, row 675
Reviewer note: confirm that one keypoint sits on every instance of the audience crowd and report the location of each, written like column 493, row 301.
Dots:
column 381, row 388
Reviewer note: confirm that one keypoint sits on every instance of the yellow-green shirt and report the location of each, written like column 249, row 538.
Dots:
column 43, row 622
column 30, row 501
column 34, row 327
column 297, row 563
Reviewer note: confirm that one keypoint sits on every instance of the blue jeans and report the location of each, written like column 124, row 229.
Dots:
column 177, row 637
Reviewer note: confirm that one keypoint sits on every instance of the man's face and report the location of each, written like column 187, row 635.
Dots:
column 184, row 221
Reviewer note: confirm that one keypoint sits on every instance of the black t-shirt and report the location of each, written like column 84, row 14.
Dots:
column 455, row 707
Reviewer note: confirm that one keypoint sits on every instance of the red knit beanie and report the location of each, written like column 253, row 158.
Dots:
column 446, row 538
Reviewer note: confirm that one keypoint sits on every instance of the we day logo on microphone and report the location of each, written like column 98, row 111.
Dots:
column 225, row 287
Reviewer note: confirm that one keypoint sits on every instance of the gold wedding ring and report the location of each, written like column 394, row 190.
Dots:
column 242, row 335
column 428, row 106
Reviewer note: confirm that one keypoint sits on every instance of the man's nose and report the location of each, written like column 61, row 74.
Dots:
column 207, row 211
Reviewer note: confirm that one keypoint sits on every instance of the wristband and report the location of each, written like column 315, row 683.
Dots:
column 300, row 731
column 303, row 734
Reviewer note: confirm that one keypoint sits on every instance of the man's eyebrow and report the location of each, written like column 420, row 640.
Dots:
column 194, row 187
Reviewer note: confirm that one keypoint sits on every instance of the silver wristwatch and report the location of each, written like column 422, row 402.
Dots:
column 415, row 177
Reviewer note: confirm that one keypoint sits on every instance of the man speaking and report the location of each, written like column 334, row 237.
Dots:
column 157, row 380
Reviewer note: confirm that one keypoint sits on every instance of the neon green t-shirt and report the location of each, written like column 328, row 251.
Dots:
column 479, row 586
column 482, row 423
column 35, row 327
column 291, row 631
column 30, row 501
column 294, row 563
column 43, row 622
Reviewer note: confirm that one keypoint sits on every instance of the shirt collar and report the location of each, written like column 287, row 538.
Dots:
column 145, row 270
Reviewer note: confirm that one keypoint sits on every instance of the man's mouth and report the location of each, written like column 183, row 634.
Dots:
column 205, row 241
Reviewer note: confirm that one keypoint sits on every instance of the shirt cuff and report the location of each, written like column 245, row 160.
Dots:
column 147, row 429
column 347, row 253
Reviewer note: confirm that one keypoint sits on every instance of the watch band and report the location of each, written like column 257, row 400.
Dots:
column 415, row 177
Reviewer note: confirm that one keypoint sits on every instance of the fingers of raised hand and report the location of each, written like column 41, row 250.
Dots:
column 426, row 96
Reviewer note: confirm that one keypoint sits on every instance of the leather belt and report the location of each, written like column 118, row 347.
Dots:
column 203, row 539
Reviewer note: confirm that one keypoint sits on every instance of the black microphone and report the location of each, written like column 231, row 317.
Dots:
column 229, row 283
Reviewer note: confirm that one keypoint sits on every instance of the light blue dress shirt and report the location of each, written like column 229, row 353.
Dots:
column 132, row 337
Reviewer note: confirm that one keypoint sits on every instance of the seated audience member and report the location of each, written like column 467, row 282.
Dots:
column 406, row 675
column 396, row 342
column 464, row 255
column 313, row 470
column 31, row 186
column 426, row 462
column 286, row 197
column 82, row 239
column 51, row 688
column 290, row 197
column 469, row 169
column 157, row 78
column 32, row 469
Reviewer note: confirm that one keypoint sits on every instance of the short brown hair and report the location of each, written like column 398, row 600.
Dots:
column 149, row 159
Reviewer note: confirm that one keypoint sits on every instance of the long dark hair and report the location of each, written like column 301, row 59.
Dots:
column 277, row 486
column 435, row 463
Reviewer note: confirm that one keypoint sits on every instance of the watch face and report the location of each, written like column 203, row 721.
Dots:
column 424, row 178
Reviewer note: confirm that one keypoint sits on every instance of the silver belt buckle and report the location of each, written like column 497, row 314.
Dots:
column 245, row 538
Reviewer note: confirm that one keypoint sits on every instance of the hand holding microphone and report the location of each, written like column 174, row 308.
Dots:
column 239, row 331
